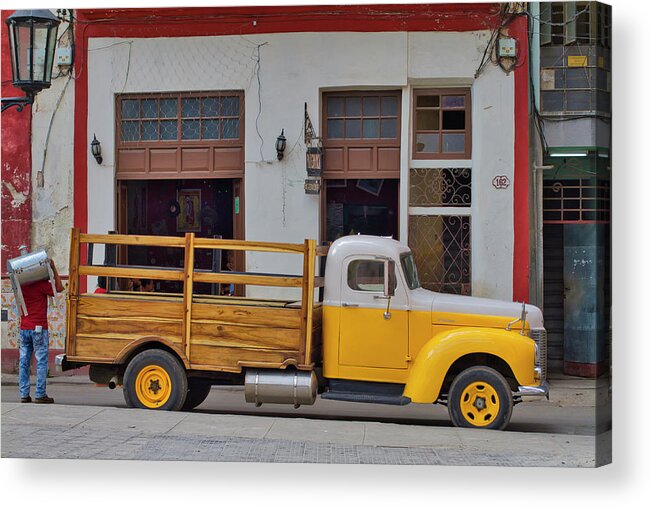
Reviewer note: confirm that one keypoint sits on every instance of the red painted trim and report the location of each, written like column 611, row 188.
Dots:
column 80, row 190
column 16, row 169
column 175, row 22
column 518, row 30
column 588, row 370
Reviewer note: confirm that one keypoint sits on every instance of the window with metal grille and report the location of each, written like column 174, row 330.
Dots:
column 443, row 187
column 441, row 248
column 581, row 200
column 190, row 117
column 441, row 124
column 563, row 23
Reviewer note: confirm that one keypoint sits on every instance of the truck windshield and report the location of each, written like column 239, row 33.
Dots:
column 409, row 267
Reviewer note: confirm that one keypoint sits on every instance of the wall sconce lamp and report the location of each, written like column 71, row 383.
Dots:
column 96, row 149
column 32, row 42
column 281, row 144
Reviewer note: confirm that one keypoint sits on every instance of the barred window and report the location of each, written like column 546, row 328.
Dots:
column 187, row 117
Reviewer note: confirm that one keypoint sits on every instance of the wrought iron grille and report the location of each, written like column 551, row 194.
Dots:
column 581, row 200
column 439, row 187
column 441, row 247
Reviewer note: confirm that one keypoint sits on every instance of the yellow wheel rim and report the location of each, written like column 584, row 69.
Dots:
column 153, row 386
column 479, row 404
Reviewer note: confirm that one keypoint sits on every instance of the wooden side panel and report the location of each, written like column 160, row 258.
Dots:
column 105, row 306
column 223, row 337
column 163, row 160
column 289, row 318
column 361, row 159
column 132, row 162
column 231, row 359
column 228, row 160
column 388, row 159
column 317, row 340
column 106, row 325
column 195, row 160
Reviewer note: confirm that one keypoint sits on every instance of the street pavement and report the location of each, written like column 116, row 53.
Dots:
column 101, row 432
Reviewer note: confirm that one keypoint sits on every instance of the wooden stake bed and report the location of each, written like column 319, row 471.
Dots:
column 207, row 333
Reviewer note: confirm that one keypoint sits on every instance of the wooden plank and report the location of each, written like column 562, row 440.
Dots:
column 114, row 306
column 105, row 348
column 289, row 318
column 232, row 358
column 188, row 270
column 256, row 246
column 225, row 335
column 156, row 274
column 322, row 251
column 309, row 301
column 271, row 281
column 319, row 281
column 130, row 328
column 132, row 239
column 73, row 269
column 241, row 301
column 71, row 324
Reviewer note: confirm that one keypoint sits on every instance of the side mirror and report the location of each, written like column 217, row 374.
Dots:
column 389, row 278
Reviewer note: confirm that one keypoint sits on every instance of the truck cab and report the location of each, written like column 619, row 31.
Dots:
column 387, row 339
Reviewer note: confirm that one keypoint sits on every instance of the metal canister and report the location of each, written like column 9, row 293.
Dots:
column 280, row 386
column 29, row 268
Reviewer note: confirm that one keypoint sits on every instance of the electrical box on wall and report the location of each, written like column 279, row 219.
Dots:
column 506, row 48
column 64, row 56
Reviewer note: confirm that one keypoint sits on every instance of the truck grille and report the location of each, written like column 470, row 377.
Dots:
column 540, row 337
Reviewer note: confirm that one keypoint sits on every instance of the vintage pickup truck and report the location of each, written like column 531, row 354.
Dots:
column 366, row 331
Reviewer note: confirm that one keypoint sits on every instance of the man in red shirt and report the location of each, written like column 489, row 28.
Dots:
column 34, row 337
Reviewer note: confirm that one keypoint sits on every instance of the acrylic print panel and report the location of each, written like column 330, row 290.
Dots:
column 189, row 218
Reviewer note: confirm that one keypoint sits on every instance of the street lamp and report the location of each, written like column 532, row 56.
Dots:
column 32, row 42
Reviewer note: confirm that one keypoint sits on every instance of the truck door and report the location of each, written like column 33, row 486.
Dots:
column 368, row 337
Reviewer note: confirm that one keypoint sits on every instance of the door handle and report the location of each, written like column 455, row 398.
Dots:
column 349, row 305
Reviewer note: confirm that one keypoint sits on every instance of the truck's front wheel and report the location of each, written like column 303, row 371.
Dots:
column 480, row 397
column 155, row 379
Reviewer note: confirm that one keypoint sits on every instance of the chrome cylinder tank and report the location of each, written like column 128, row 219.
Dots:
column 29, row 268
column 280, row 386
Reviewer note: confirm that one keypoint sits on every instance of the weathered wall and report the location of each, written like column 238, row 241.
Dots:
column 37, row 186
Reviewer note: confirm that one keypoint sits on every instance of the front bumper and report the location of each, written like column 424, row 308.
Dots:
column 541, row 390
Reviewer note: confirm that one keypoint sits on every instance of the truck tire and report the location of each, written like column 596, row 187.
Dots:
column 155, row 379
column 481, row 398
column 198, row 391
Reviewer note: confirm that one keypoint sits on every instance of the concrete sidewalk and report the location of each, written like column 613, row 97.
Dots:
column 88, row 432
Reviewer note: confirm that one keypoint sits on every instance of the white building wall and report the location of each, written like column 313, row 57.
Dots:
column 293, row 69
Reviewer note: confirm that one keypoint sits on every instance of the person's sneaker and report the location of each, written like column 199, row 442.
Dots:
column 44, row 399
column 26, row 399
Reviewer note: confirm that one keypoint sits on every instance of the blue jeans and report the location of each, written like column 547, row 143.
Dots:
column 38, row 343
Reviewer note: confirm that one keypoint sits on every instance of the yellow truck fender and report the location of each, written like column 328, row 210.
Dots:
column 435, row 358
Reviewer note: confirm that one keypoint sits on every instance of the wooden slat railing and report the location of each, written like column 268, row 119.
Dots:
column 189, row 275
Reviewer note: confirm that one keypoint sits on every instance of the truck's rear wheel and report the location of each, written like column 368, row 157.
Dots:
column 155, row 379
column 480, row 397
column 198, row 391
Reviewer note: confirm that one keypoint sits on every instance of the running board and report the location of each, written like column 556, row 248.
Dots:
column 366, row 398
